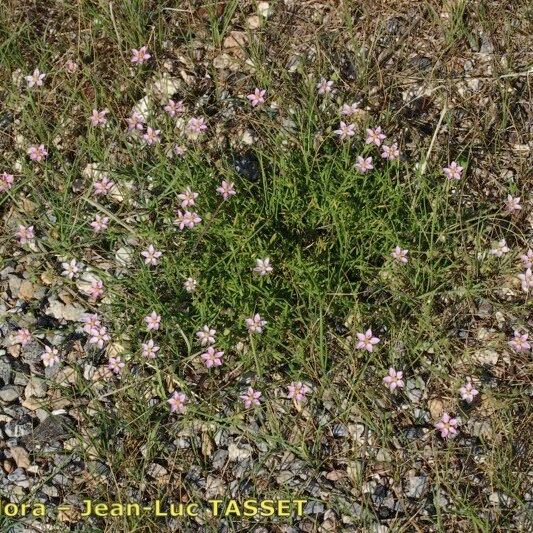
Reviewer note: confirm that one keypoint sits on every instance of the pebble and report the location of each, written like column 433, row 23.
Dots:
column 10, row 393
column 416, row 486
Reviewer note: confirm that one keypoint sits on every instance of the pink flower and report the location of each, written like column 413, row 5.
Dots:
column 257, row 97
column 91, row 321
column 526, row 279
column 50, row 357
column 262, row 266
column 99, row 223
column 25, row 234
column 447, row 426
column 375, row 136
column 390, row 152
column 520, row 342
column 350, row 109
column 206, row 336
column 187, row 219
column 453, row 171
column 23, row 336
column 512, row 204
column 96, row 290
column 212, row 357
column 153, row 320
column 6, row 181
column 468, row 391
column 297, row 391
column 71, row 269
column 366, row 341
column 37, row 153
column 527, row 259
column 140, row 56
column 324, row 86
column 187, row 197
column 99, row 336
column 150, row 349
column 345, row 130
column 197, row 125
column 71, row 66
column 135, row 122
column 151, row 255
column 179, row 150
column 152, row 136
column 394, row 379
column 400, row 255
column 173, row 108
column 103, row 186
column 190, row 284
column 177, row 402
column 35, row 79
column 115, row 364
column 251, row 397
column 255, row 324
column 226, row 189
column 500, row 248
column 98, row 118
column 363, row 165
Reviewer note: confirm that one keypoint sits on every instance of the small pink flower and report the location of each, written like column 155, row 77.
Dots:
column 513, row 203
column 179, row 150
column 98, row 118
column 255, row 324
column 115, row 364
column 400, row 255
column 447, row 426
column 50, row 357
column 99, row 336
column 467, row 391
column 23, row 336
column 345, row 130
column 394, row 379
column 350, row 109
column 35, row 79
column 153, row 321
column 257, row 97
column 206, row 336
column 197, row 125
column 135, row 122
column 177, row 402
column 527, row 259
column 212, row 357
column 324, row 86
column 187, row 197
column 150, row 349
column 71, row 269
column 99, row 223
column 526, row 279
column 453, row 171
column 390, row 152
column 500, row 248
column 375, row 136
column 190, row 285
column 6, row 181
column 71, row 66
column 520, row 342
column 103, row 186
column 152, row 136
column 187, row 219
column 226, row 189
column 297, row 391
column 96, row 290
column 363, row 165
column 251, row 397
column 263, row 267
column 25, row 234
column 366, row 341
column 91, row 321
column 37, row 153
column 140, row 56
column 173, row 108
column 151, row 255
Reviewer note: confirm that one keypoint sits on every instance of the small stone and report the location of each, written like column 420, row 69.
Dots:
column 253, row 22
column 238, row 454
column 416, row 486
column 313, row 507
column 36, row 387
column 10, row 393
column 157, row 471
column 20, row 456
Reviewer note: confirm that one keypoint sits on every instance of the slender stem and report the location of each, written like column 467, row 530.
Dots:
column 206, row 227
